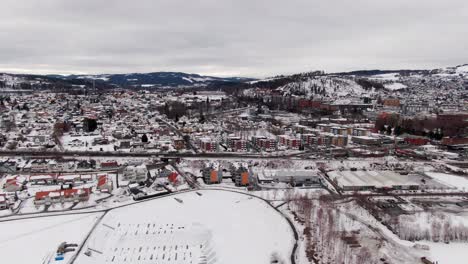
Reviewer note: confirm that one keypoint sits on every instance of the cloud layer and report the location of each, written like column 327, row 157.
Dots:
column 230, row 37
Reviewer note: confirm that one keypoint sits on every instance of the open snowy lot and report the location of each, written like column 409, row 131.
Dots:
column 453, row 253
column 84, row 143
column 35, row 240
column 458, row 182
column 210, row 226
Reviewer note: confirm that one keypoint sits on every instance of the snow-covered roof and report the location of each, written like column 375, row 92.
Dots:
column 378, row 179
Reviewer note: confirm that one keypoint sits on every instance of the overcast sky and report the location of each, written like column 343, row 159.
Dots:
column 231, row 37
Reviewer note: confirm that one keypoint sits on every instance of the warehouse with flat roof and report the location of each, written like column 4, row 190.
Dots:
column 375, row 180
column 297, row 177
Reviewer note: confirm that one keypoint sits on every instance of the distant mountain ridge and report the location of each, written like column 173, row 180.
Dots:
column 156, row 79
column 300, row 83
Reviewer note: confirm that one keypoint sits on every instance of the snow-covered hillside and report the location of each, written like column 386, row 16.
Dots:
column 335, row 86
column 370, row 83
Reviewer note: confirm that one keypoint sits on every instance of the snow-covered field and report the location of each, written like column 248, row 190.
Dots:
column 395, row 86
column 34, row 240
column 210, row 227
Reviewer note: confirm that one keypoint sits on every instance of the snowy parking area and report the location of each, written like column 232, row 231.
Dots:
column 210, row 226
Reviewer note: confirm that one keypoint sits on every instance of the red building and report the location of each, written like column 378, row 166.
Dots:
column 109, row 165
column 416, row 141
column 173, row 177
column 293, row 143
column 60, row 196
column 208, row 145
column 454, row 142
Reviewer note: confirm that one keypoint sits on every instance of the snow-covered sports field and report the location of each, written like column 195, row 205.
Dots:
column 210, row 226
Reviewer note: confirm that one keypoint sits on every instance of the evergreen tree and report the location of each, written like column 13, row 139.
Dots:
column 389, row 130
column 397, row 131
column 90, row 124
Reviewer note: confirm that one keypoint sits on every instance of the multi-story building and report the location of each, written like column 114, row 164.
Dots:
column 289, row 141
column 340, row 141
column 208, row 145
column 359, row 132
column 237, row 144
column 241, row 175
column 343, row 131
column 268, row 144
column 293, row 143
column 212, row 174
column 413, row 108
column 179, row 143
column 264, row 143
column 307, row 139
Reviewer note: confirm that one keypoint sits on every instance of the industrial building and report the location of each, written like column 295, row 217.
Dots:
column 135, row 173
column 294, row 177
column 360, row 180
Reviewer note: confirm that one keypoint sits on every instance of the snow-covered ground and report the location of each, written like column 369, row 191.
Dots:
column 34, row 240
column 84, row 143
column 386, row 77
column 395, row 86
column 458, row 182
column 462, row 69
column 453, row 253
column 216, row 226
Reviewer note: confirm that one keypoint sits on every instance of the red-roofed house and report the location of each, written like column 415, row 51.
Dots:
column 61, row 196
column 12, row 184
column 109, row 165
column 104, row 184
column 173, row 177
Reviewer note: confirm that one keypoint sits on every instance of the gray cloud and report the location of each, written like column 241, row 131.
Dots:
column 230, row 37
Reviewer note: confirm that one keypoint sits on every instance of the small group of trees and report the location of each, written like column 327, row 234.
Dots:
column 428, row 127
column 59, row 129
column 324, row 232
column 89, row 124
column 439, row 227
column 368, row 84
